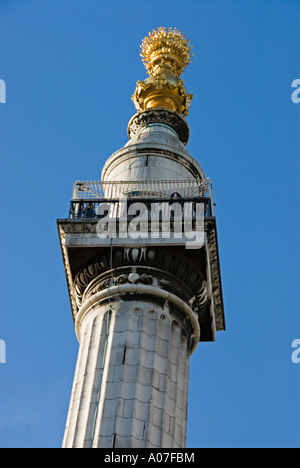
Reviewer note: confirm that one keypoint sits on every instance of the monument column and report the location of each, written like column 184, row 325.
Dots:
column 143, row 292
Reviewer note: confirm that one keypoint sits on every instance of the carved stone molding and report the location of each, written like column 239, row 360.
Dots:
column 142, row 265
column 124, row 275
column 216, row 278
column 159, row 115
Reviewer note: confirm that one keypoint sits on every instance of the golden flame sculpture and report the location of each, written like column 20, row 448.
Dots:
column 166, row 49
column 165, row 55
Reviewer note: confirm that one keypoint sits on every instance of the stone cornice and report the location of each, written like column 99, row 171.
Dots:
column 213, row 252
column 70, row 284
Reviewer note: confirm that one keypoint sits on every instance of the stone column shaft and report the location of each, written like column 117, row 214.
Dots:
column 131, row 382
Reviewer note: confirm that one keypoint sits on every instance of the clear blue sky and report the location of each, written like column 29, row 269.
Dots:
column 70, row 68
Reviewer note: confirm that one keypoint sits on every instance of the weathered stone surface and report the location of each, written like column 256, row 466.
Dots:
column 120, row 385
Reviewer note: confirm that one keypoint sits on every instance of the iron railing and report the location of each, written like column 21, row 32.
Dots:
column 89, row 190
column 89, row 196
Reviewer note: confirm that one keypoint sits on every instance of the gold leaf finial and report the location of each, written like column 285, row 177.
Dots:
column 170, row 49
column 165, row 54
